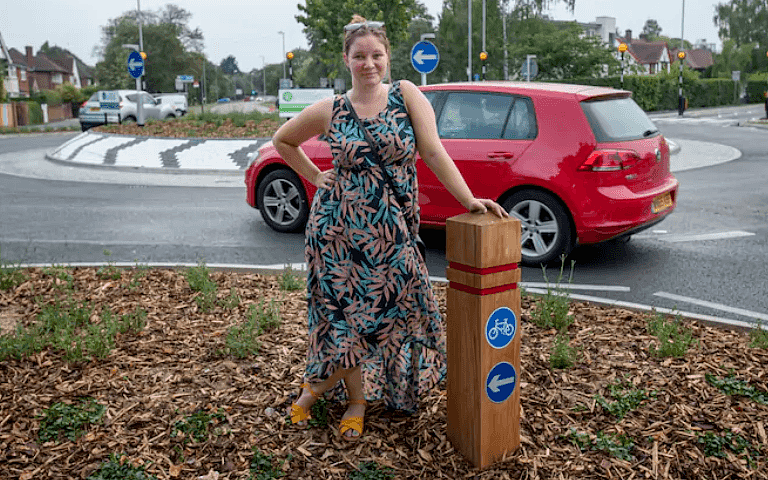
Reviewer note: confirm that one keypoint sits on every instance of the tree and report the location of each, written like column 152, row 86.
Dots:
column 324, row 22
column 732, row 58
column 165, row 35
column 166, row 57
column 651, row 30
column 229, row 65
column 743, row 21
column 562, row 51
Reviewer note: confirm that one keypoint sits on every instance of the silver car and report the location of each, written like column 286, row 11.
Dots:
column 119, row 106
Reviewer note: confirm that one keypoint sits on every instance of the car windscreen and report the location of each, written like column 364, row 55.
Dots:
column 617, row 119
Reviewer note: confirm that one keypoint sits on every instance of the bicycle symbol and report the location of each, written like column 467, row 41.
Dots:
column 501, row 326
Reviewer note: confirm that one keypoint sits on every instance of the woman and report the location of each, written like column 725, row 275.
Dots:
column 373, row 319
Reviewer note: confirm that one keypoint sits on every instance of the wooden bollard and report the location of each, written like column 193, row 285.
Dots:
column 483, row 336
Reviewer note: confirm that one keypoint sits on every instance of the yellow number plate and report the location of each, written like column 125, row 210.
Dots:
column 661, row 203
column 94, row 109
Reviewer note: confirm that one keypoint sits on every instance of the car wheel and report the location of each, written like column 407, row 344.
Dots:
column 545, row 226
column 283, row 201
column 84, row 127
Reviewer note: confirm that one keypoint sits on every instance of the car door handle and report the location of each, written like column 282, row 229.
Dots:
column 497, row 155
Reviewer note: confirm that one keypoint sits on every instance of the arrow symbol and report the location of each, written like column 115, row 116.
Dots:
column 134, row 65
column 420, row 56
column 497, row 382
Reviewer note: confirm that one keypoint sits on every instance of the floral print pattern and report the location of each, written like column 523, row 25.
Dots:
column 369, row 298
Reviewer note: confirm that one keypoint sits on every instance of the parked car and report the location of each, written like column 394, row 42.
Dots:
column 119, row 106
column 177, row 100
column 223, row 100
column 576, row 164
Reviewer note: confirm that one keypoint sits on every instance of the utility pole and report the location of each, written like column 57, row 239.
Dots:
column 681, row 56
column 484, row 50
column 283, row 34
column 469, row 40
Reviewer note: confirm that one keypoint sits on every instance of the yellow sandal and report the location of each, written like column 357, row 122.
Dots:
column 298, row 414
column 352, row 423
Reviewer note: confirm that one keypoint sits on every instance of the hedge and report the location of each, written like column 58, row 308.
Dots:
column 661, row 92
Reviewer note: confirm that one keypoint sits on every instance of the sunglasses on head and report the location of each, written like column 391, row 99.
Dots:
column 356, row 26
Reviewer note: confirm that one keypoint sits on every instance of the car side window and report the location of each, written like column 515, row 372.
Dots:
column 522, row 121
column 131, row 97
column 469, row 115
column 147, row 99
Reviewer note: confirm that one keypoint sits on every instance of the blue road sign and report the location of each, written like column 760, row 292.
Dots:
column 501, row 382
column 501, row 327
column 424, row 57
column 135, row 64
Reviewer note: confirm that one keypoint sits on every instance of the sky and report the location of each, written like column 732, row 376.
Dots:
column 248, row 29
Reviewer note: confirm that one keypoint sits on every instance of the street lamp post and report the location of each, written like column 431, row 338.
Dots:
column 622, row 48
column 264, row 75
column 681, row 56
column 283, row 34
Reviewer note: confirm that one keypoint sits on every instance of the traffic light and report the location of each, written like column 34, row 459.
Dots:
column 289, row 56
column 483, row 58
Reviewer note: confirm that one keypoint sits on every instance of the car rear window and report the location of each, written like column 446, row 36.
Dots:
column 617, row 119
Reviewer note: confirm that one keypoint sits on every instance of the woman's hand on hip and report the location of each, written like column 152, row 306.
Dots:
column 482, row 205
column 325, row 179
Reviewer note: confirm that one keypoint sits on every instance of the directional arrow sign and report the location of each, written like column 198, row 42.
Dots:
column 424, row 57
column 135, row 64
column 500, row 382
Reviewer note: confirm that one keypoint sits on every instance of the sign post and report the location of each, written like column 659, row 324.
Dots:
column 483, row 336
column 425, row 57
column 136, row 70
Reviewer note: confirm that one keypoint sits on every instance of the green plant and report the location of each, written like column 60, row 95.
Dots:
column 197, row 425
column 289, row 281
column 551, row 311
column 108, row 271
column 263, row 466
column 674, row 338
column 319, row 414
column 62, row 419
column 242, row 340
column 730, row 385
column 117, row 468
column 65, row 326
column 758, row 336
column 63, row 279
column 625, row 398
column 199, row 280
column 138, row 272
column 10, row 276
column 714, row 445
column 231, row 301
column 562, row 355
column 619, row 446
column 371, row 471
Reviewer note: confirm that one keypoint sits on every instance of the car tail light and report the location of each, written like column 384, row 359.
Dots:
column 82, row 105
column 611, row 160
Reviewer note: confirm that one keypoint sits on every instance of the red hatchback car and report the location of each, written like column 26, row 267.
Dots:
column 576, row 164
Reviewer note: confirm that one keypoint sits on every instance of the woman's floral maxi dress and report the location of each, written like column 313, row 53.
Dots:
column 369, row 298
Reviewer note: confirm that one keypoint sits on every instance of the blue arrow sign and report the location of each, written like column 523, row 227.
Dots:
column 501, row 382
column 424, row 57
column 501, row 327
column 135, row 64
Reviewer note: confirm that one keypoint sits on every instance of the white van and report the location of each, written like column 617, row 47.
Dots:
column 177, row 100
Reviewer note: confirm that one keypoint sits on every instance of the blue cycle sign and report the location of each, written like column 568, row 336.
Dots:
column 501, row 327
column 501, row 382
column 424, row 57
column 135, row 64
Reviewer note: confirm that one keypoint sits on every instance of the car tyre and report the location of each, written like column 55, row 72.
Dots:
column 282, row 201
column 546, row 232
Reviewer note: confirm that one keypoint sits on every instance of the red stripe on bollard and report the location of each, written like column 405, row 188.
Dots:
column 482, row 271
column 481, row 291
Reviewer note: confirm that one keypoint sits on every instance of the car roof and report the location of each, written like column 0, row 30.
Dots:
column 581, row 92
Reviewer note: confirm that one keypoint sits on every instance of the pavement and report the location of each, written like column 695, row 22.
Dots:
column 204, row 162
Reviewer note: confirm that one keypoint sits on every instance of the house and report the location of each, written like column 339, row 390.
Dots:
column 649, row 58
column 11, row 77
column 698, row 59
column 79, row 74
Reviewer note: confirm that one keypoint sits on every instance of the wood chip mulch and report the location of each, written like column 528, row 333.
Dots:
column 177, row 366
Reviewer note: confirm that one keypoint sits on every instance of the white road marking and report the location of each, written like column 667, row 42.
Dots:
column 713, row 305
column 602, row 288
column 693, row 237
column 671, row 311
